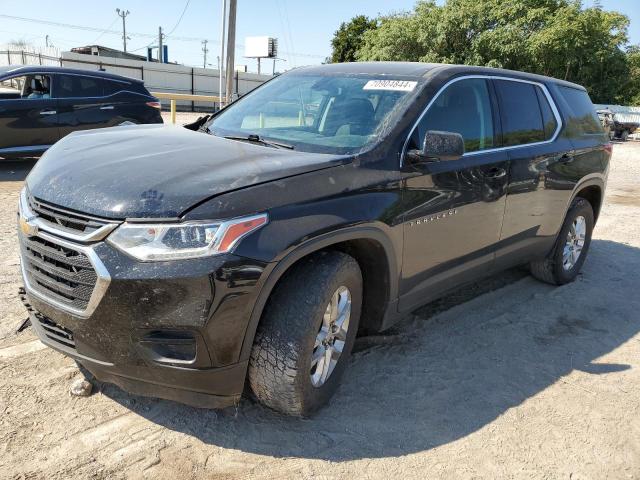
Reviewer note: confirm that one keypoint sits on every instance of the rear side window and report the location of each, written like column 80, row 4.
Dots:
column 521, row 115
column 71, row 86
column 464, row 108
column 111, row 88
column 583, row 119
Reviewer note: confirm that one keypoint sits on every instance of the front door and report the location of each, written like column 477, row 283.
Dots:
column 454, row 209
column 28, row 118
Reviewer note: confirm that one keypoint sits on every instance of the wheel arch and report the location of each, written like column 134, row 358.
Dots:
column 592, row 190
column 368, row 245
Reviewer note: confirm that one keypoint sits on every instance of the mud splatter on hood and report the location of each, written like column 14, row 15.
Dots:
column 156, row 171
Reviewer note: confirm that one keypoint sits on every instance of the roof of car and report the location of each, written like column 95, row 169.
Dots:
column 416, row 69
column 27, row 69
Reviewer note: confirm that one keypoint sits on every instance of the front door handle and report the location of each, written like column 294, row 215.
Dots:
column 566, row 158
column 496, row 173
column 48, row 112
column 107, row 107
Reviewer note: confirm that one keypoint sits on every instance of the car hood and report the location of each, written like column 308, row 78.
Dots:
column 155, row 171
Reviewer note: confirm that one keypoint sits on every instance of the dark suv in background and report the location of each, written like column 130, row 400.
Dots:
column 329, row 201
column 40, row 105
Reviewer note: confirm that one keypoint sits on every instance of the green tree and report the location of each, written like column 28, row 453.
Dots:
column 631, row 93
column 558, row 38
column 348, row 39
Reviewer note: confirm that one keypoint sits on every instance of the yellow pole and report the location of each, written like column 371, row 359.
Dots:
column 173, row 111
column 300, row 123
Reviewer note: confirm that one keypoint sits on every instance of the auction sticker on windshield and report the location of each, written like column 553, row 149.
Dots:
column 395, row 85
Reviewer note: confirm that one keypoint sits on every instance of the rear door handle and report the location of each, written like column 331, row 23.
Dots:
column 48, row 112
column 496, row 172
column 107, row 107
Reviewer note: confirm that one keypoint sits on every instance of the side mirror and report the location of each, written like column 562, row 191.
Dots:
column 439, row 146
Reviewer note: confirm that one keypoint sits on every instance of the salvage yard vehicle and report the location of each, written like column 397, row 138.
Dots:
column 176, row 263
column 615, row 126
column 40, row 105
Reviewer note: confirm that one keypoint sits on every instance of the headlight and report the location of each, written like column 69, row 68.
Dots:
column 166, row 241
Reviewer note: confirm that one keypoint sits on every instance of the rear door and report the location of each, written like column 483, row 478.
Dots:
column 454, row 209
column 28, row 117
column 82, row 103
column 535, row 194
column 538, row 188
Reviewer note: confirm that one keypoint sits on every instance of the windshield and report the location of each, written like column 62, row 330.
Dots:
column 318, row 113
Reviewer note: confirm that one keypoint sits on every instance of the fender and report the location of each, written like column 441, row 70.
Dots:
column 593, row 179
column 313, row 245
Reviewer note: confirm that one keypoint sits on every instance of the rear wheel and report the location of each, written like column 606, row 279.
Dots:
column 564, row 262
column 305, row 336
column 624, row 135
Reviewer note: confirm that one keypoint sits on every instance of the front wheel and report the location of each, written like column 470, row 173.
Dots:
column 564, row 262
column 305, row 336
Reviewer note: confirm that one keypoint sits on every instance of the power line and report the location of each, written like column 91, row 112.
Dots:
column 105, row 31
column 180, row 19
column 133, row 34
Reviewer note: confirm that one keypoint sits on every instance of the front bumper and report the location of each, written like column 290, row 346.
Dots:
column 120, row 338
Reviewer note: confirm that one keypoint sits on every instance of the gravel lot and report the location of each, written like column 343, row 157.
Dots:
column 507, row 378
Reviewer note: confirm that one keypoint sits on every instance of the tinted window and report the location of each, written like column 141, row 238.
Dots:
column 67, row 86
column 583, row 117
column 464, row 108
column 520, row 112
column 110, row 88
column 549, row 121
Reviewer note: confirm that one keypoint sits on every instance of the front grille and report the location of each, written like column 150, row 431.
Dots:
column 63, row 219
column 55, row 332
column 61, row 273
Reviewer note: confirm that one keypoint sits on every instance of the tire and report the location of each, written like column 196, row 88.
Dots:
column 624, row 135
column 553, row 269
column 280, row 368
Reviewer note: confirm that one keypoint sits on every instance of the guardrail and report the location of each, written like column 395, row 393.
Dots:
column 174, row 97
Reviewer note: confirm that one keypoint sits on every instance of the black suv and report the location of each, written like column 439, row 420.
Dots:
column 332, row 200
column 40, row 105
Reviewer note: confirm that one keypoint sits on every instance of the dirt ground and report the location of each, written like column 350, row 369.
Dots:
column 508, row 378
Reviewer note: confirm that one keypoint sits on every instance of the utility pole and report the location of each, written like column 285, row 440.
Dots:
column 123, row 14
column 160, row 49
column 221, row 59
column 231, row 48
column 46, row 40
column 205, row 50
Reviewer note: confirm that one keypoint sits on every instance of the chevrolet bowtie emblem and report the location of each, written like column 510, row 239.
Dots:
column 29, row 229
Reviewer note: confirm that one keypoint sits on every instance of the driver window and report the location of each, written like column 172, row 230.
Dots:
column 36, row 87
column 465, row 108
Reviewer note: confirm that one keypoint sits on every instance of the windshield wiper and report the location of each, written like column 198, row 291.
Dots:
column 261, row 141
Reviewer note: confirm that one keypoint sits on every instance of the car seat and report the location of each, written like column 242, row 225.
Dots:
column 352, row 116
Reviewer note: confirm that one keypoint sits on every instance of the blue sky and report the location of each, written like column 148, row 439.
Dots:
column 304, row 28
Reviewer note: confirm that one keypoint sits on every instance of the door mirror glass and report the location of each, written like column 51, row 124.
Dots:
column 439, row 146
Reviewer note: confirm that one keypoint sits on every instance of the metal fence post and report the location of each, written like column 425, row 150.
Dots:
column 193, row 92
